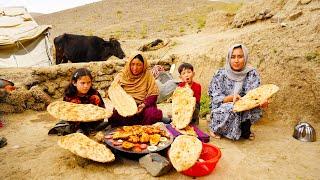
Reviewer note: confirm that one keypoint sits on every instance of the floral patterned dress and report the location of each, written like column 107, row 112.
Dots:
column 223, row 120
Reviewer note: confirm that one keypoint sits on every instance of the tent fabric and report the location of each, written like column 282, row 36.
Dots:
column 7, row 21
column 23, row 43
column 166, row 85
column 13, row 11
column 28, row 33
column 34, row 53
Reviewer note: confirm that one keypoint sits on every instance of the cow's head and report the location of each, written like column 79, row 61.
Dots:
column 115, row 48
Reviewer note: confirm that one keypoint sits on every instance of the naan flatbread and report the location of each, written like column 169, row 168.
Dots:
column 188, row 131
column 183, row 105
column 85, row 147
column 254, row 97
column 123, row 102
column 78, row 112
column 184, row 152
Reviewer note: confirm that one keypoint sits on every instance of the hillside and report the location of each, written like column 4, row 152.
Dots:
column 135, row 19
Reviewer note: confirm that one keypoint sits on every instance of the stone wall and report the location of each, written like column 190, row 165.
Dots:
column 37, row 87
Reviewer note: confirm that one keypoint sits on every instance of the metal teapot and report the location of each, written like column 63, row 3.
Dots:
column 303, row 131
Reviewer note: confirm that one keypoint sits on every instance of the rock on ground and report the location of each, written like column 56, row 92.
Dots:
column 155, row 164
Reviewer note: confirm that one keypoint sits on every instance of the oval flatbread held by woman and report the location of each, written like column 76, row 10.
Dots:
column 254, row 97
column 123, row 102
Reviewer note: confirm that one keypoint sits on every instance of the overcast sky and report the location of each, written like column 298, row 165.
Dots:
column 44, row 6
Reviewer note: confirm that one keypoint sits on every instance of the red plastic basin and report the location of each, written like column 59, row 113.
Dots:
column 211, row 155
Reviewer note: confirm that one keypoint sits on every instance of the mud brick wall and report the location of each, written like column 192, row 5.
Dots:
column 39, row 86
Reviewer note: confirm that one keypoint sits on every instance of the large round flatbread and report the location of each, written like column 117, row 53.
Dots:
column 122, row 102
column 183, row 105
column 184, row 152
column 78, row 112
column 254, row 97
column 85, row 147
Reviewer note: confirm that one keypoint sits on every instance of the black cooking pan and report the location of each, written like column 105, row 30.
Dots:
column 117, row 149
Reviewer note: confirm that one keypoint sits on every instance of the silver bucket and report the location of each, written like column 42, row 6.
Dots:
column 303, row 131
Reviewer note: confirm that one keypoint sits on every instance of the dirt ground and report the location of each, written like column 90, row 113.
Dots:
column 274, row 154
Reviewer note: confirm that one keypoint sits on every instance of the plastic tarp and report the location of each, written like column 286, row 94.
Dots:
column 166, row 85
column 23, row 43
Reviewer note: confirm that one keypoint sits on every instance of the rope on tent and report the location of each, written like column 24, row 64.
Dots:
column 24, row 48
column 15, row 59
column 40, row 62
column 47, row 48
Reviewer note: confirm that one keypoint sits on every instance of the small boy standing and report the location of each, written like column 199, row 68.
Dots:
column 186, row 74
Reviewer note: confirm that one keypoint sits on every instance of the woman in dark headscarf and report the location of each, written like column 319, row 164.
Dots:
column 227, row 86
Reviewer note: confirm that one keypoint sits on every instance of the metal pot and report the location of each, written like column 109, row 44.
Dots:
column 303, row 131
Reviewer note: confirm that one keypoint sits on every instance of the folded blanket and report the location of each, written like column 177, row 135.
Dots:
column 202, row 136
